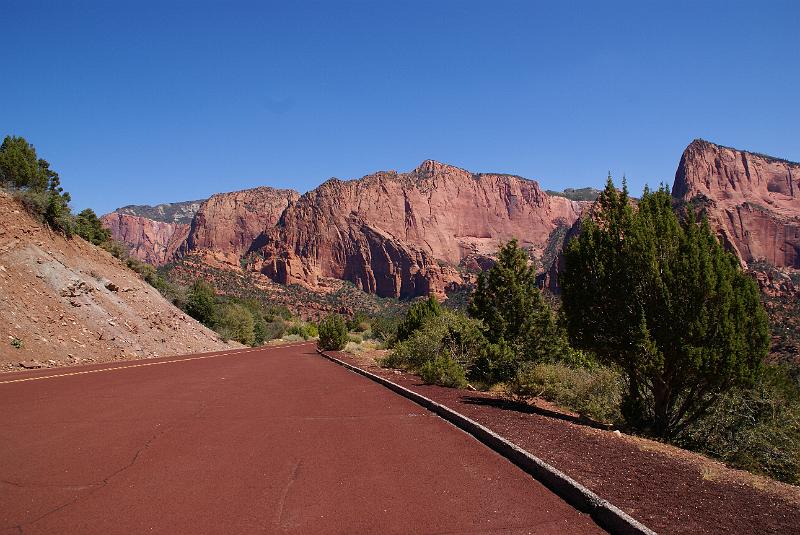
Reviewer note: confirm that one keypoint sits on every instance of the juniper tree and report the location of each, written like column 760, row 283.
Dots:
column 513, row 311
column 660, row 297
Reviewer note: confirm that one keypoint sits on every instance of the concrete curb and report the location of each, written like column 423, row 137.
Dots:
column 607, row 515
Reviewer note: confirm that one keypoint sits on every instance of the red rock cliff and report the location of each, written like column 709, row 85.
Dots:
column 227, row 223
column 154, row 242
column 401, row 235
column 753, row 201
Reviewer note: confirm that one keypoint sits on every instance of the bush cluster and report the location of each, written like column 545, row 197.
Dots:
column 595, row 392
column 333, row 335
column 247, row 321
column 755, row 428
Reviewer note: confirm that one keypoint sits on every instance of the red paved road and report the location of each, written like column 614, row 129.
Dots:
column 261, row 441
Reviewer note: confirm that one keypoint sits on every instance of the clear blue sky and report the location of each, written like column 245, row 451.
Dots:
column 135, row 102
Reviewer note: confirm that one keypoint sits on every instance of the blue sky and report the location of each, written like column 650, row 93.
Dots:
column 139, row 102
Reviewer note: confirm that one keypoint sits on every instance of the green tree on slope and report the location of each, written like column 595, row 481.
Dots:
column 89, row 227
column 661, row 298
column 39, row 187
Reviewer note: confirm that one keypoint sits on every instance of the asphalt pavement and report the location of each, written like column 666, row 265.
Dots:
column 267, row 440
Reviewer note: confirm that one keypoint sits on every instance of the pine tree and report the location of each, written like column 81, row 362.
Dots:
column 89, row 227
column 416, row 316
column 661, row 298
column 512, row 309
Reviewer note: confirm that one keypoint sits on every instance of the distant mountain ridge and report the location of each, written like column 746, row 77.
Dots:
column 407, row 234
column 579, row 194
column 177, row 212
column 393, row 234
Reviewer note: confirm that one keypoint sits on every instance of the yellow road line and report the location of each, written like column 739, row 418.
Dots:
column 84, row 372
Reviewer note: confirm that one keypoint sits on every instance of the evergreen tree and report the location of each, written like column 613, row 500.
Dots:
column 512, row 309
column 39, row 187
column 19, row 166
column 416, row 316
column 661, row 298
column 89, row 227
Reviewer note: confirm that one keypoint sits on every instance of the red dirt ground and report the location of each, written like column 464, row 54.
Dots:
column 668, row 489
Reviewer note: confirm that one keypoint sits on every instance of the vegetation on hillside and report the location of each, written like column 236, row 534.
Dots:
column 36, row 185
column 332, row 333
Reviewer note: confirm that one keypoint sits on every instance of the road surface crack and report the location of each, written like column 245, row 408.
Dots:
column 282, row 522
column 94, row 487
column 48, row 486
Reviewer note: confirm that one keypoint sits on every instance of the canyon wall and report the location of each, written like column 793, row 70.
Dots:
column 752, row 200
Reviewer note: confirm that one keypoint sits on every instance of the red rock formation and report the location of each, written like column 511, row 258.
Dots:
column 222, row 227
column 753, row 201
column 227, row 223
column 401, row 235
column 154, row 242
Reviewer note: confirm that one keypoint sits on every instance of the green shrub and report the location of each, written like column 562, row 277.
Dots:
column 358, row 323
column 50, row 207
column 312, row 330
column 332, row 333
column 384, row 329
column 593, row 392
column 234, row 322
column 201, row 302
column 756, row 429
column 443, row 371
column 16, row 343
column 355, row 338
column 496, row 363
column 416, row 316
column 304, row 330
column 264, row 331
column 449, row 334
column 116, row 249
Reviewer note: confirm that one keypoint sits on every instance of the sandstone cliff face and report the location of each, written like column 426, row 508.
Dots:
column 401, row 235
column 393, row 234
column 226, row 224
column 154, row 242
column 220, row 229
column 753, row 201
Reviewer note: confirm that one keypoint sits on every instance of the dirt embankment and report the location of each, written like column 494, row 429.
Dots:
column 66, row 302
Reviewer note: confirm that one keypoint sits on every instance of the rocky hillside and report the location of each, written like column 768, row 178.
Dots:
column 67, row 301
column 392, row 234
column 751, row 199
